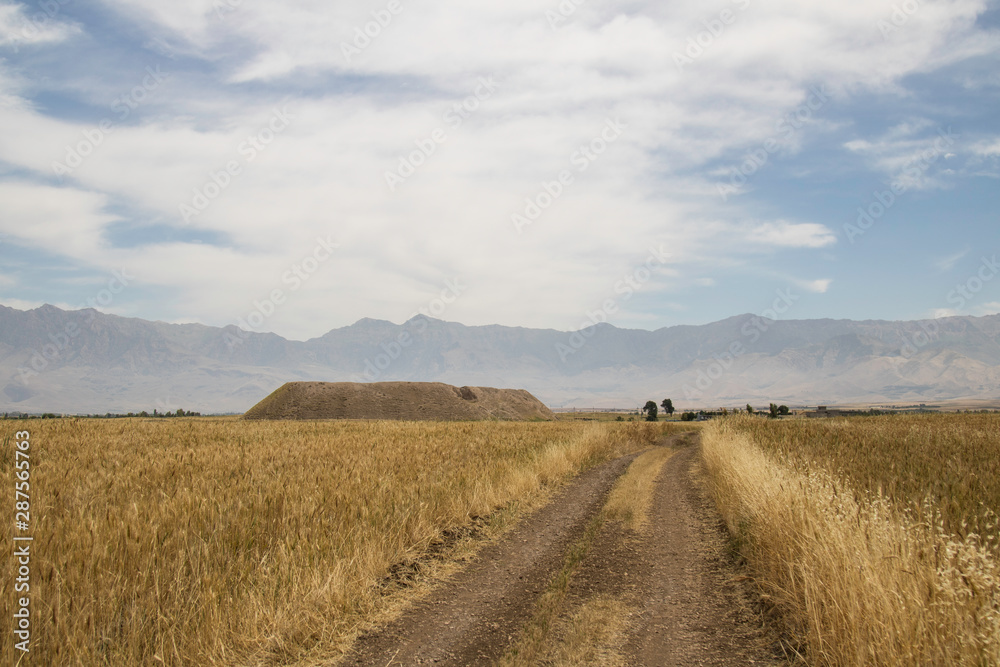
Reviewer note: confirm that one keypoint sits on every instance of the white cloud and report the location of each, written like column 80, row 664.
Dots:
column 948, row 262
column 987, row 148
column 816, row 286
column 325, row 174
column 60, row 220
column 22, row 304
column 978, row 310
column 911, row 154
column 793, row 235
column 991, row 308
column 24, row 25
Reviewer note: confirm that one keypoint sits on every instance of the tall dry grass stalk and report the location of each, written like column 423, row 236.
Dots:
column 219, row 541
column 858, row 579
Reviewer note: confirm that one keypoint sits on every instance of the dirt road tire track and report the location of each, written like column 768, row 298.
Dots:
column 695, row 609
column 473, row 617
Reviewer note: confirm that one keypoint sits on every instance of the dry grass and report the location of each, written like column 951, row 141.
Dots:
column 588, row 635
column 864, row 578
column 632, row 495
column 218, row 541
column 950, row 462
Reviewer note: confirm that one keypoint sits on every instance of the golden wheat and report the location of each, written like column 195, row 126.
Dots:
column 847, row 525
column 948, row 462
column 219, row 541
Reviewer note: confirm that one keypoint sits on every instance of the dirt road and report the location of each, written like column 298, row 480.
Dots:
column 693, row 609
column 672, row 592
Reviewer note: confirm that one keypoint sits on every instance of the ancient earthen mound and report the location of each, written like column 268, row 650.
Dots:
column 397, row 400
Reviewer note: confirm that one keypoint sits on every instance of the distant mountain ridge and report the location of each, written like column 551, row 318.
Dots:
column 85, row 362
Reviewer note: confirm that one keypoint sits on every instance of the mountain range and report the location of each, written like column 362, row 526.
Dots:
column 85, row 361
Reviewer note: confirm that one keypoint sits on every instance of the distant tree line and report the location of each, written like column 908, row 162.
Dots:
column 179, row 412
column 774, row 411
column 18, row 415
column 651, row 411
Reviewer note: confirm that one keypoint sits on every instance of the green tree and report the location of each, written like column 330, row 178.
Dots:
column 749, row 409
column 668, row 406
column 774, row 411
column 650, row 410
column 783, row 410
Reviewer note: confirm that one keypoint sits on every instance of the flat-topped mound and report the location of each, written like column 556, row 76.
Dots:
column 434, row 401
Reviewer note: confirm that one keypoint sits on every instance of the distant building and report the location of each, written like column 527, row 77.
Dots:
column 822, row 411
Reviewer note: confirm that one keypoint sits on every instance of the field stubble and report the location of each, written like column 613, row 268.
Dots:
column 218, row 541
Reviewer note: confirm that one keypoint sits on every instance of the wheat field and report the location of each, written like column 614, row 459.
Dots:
column 228, row 542
column 874, row 540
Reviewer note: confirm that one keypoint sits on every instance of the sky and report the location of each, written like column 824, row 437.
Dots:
column 294, row 166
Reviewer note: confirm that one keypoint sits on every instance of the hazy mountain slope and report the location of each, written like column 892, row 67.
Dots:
column 85, row 361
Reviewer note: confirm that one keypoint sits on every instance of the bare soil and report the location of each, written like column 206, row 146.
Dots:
column 472, row 618
column 694, row 607
column 397, row 400
column 689, row 603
